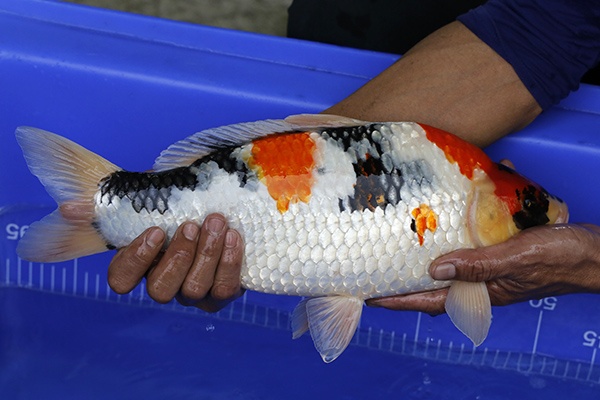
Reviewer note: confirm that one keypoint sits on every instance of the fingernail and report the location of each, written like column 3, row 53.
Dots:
column 215, row 225
column 231, row 239
column 155, row 237
column 444, row 272
column 190, row 231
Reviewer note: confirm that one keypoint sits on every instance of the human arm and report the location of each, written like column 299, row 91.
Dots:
column 451, row 80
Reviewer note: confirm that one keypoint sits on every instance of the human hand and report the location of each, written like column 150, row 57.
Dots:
column 200, row 267
column 538, row 262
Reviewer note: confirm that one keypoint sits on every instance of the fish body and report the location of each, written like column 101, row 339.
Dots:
column 330, row 208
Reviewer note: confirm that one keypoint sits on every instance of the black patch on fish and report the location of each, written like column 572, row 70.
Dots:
column 534, row 208
column 148, row 191
column 376, row 185
column 413, row 225
column 225, row 160
column 349, row 136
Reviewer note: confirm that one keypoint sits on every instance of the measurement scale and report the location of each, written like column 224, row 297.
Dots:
column 555, row 336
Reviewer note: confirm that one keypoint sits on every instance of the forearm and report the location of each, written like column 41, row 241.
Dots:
column 451, row 80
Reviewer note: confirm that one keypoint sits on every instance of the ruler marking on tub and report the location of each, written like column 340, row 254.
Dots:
column 30, row 271
column 537, row 332
column 52, row 277
column 64, row 280
column 7, row 275
column 592, row 363
column 18, row 272
column 438, row 349
column 418, row 327
column 97, row 287
column 75, row 264
column 42, row 267
column 86, row 278
column 142, row 292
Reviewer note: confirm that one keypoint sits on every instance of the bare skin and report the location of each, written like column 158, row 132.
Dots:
column 451, row 80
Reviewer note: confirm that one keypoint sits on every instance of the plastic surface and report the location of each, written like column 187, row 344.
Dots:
column 126, row 87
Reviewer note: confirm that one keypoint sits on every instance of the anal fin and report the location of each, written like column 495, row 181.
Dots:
column 332, row 322
column 468, row 306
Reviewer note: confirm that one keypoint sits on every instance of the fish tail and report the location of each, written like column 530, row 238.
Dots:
column 71, row 175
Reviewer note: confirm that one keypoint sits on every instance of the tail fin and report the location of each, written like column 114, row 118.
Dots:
column 71, row 175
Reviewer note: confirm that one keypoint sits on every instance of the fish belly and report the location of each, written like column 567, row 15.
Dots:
column 361, row 254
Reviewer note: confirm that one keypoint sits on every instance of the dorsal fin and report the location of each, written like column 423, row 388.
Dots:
column 188, row 150
column 308, row 121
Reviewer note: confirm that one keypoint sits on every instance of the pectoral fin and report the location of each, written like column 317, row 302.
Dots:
column 468, row 306
column 332, row 322
column 299, row 320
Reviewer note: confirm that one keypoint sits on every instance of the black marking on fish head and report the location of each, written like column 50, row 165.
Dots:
column 534, row 207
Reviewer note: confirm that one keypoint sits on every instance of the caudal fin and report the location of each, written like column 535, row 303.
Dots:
column 70, row 174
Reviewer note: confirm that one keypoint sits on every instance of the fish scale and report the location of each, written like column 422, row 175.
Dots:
column 330, row 208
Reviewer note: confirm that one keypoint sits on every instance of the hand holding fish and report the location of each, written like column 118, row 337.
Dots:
column 539, row 262
column 201, row 266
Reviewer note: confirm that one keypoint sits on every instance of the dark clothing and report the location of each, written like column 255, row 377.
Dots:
column 391, row 26
column 550, row 44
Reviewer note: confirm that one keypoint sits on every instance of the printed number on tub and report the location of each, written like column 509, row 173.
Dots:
column 15, row 232
column 591, row 339
column 548, row 304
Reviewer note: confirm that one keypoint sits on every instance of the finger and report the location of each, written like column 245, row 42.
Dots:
column 471, row 265
column 227, row 284
column 164, row 281
column 496, row 261
column 200, row 278
column 428, row 302
column 130, row 264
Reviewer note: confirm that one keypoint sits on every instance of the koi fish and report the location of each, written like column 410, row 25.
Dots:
column 333, row 209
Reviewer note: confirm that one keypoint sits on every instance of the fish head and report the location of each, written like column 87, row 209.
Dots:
column 505, row 202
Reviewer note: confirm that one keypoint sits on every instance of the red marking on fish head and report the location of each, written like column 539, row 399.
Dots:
column 285, row 163
column 505, row 202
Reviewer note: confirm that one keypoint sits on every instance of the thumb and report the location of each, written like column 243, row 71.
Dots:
column 470, row 265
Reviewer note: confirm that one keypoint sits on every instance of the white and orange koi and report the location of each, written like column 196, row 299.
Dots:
column 331, row 208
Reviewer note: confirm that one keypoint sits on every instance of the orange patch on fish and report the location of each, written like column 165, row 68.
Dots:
column 424, row 220
column 469, row 157
column 285, row 163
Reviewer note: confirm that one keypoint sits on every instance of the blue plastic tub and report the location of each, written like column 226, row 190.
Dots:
column 126, row 87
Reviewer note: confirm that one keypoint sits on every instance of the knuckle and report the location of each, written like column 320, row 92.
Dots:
column 479, row 271
column 118, row 284
column 194, row 291
column 225, row 291
column 158, row 294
